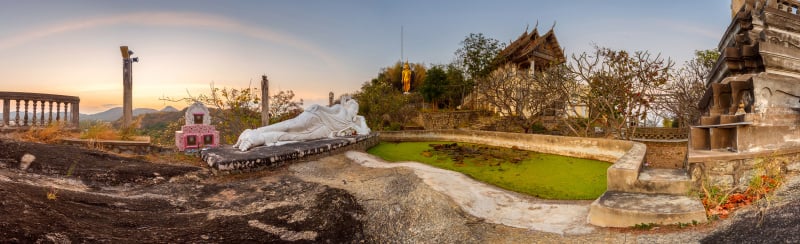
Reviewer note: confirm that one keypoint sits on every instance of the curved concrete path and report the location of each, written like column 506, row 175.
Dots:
column 493, row 204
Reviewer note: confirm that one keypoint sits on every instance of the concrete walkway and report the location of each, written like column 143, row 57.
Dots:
column 493, row 204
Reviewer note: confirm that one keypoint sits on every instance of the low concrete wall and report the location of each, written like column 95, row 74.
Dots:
column 591, row 148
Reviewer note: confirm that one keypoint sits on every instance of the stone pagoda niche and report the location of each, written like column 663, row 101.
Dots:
column 198, row 132
column 752, row 99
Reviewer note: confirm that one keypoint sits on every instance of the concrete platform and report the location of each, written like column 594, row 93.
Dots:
column 663, row 181
column 227, row 159
column 626, row 209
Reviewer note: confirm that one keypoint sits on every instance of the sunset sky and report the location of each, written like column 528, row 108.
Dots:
column 310, row 47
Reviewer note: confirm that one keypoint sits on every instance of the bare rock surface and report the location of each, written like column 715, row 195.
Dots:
column 106, row 198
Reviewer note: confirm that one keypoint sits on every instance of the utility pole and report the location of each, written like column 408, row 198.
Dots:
column 127, row 85
column 264, row 100
column 401, row 43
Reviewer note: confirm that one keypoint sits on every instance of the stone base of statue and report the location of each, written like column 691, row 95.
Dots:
column 227, row 159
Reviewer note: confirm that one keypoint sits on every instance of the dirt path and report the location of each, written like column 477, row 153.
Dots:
column 493, row 204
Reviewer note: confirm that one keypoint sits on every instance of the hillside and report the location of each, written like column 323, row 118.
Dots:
column 116, row 113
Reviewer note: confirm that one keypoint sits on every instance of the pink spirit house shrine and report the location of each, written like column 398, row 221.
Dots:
column 198, row 132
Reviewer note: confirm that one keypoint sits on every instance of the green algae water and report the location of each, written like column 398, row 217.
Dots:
column 546, row 176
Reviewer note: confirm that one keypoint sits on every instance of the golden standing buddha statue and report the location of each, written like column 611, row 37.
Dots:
column 406, row 78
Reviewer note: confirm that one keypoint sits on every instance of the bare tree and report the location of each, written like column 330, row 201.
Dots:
column 521, row 94
column 687, row 87
column 618, row 87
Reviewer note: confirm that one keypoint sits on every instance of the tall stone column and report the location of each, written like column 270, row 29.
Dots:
column 264, row 100
column 127, row 94
column 330, row 99
column 127, row 86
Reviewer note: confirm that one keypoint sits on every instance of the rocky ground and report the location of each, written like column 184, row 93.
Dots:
column 106, row 198
column 113, row 199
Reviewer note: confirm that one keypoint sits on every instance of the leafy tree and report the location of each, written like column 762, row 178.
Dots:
column 435, row 86
column 383, row 106
column 686, row 88
column 476, row 55
column 393, row 75
column 282, row 106
column 457, row 88
column 234, row 110
column 619, row 86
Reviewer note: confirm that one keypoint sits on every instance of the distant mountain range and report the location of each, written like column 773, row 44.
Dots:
column 116, row 113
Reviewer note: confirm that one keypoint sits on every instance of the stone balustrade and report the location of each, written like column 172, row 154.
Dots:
column 660, row 134
column 23, row 110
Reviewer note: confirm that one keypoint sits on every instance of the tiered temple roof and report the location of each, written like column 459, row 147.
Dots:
column 533, row 50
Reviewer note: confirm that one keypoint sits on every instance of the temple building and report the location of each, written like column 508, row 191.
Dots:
column 532, row 52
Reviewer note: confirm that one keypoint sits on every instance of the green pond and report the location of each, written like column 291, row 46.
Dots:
column 546, row 176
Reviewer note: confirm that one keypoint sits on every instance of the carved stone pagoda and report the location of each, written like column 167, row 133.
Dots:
column 752, row 101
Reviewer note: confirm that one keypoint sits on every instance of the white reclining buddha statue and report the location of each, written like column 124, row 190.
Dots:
column 316, row 122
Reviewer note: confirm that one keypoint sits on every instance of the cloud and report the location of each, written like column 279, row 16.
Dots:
column 169, row 19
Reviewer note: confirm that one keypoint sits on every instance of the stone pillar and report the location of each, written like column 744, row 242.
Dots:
column 330, row 99
column 264, row 100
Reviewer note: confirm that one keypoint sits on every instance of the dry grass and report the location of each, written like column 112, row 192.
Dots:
column 176, row 158
column 49, row 134
column 100, row 131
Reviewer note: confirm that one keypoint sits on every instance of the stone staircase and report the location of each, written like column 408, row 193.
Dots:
column 636, row 195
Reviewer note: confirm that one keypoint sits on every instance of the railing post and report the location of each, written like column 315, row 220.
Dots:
column 50, row 115
column 33, row 120
column 41, row 118
column 67, row 112
column 6, row 112
column 16, row 118
column 25, row 120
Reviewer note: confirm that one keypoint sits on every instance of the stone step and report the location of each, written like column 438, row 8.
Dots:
column 663, row 181
column 626, row 209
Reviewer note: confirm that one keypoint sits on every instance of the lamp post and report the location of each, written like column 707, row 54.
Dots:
column 127, row 84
